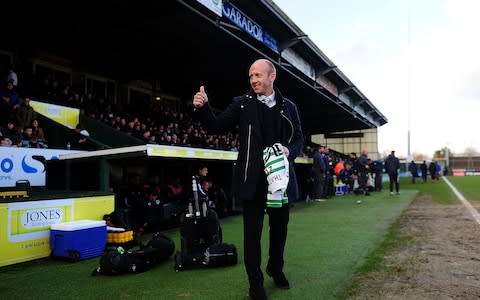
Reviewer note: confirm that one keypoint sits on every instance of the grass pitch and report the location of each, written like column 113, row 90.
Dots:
column 328, row 244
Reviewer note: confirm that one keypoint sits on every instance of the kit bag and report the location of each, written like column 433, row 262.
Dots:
column 220, row 255
column 163, row 244
column 118, row 261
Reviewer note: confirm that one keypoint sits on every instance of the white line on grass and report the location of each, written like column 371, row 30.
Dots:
column 465, row 202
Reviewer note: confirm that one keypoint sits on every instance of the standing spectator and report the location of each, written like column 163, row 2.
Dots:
column 264, row 117
column 392, row 165
column 25, row 113
column 438, row 170
column 363, row 170
column 13, row 77
column 328, row 188
column 319, row 169
column 423, row 169
column 9, row 102
column 354, row 162
column 376, row 169
column 412, row 167
column 433, row 171
column 445, row 170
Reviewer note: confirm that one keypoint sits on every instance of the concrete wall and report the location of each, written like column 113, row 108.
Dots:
column 346, row 145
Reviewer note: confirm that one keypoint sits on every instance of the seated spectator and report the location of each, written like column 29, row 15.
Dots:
column 27, row 137
column 37, row 131
column 346, row 176
column 338, row 167
column 16, row 140
column 76, row 100
column 64, row 96
column 36, row 143
column 79, row 139
column 9, row 130
column 5, row 142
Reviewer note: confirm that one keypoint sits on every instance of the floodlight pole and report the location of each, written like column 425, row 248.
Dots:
column 408, row 81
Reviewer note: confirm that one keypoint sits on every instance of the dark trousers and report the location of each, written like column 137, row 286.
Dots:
column 362, row 181
column 378, row 181
column 318, row 184
column 253, row 214
column 393, row 176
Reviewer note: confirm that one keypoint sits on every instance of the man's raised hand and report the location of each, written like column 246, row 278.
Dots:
column 200, row 98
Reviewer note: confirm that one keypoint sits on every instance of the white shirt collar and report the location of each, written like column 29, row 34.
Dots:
column 268, row 100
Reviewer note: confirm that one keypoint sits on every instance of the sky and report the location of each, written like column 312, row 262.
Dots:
column 416, row 61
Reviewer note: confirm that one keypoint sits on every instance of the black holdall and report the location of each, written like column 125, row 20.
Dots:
column 113, row 262
column 119, row 261
column 220, row 254
column 163, row 244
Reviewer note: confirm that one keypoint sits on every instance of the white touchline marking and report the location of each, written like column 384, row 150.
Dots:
column 465, row 202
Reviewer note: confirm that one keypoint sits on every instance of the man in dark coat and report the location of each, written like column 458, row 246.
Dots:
column 264, row 117
column 412, row 167
column 392, row 165
column 319, row 170
column 423, row 169
column 25, row 114
column 376, row 168
column 363, row 169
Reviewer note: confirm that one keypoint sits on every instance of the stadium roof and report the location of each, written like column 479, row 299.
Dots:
column 180, row 44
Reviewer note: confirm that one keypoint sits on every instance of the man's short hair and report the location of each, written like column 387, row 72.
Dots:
column 269, row 63
column 152, row 191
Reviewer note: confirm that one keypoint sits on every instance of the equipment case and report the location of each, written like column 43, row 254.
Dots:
column 78, row 240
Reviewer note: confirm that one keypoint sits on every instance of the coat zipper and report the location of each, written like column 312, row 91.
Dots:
column 248, row 151
column 291, row 125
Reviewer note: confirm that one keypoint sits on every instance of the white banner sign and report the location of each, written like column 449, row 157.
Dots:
column 26, row 163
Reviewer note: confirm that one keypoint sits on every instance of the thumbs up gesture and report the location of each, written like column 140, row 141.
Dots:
column 200, row 98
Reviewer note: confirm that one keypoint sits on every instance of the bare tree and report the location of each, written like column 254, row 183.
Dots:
column 470, row 151
column 419, row 156
column 384, row 154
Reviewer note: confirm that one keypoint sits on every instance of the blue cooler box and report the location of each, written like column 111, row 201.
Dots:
column 341, row 189
column 78, row 240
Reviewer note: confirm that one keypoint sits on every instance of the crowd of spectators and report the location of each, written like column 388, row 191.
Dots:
column 165, row 126
column 152, row 122
column 19, row 126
